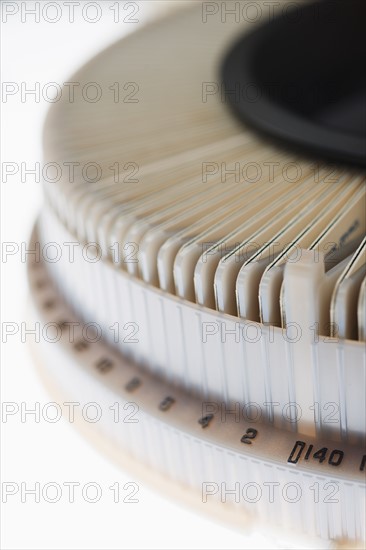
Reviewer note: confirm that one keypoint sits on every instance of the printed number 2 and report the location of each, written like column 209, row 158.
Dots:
column 250, row 434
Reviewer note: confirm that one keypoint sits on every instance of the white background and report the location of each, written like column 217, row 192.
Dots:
column 45, row 452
